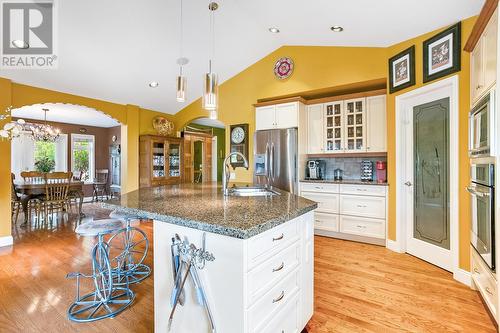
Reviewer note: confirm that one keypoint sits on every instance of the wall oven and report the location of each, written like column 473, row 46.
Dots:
column 482, row 193
column 481, row 127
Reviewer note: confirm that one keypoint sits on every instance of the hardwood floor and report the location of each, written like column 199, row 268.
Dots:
column 358, row 288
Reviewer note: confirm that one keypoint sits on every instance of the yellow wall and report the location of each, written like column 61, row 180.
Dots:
column 135, row 121
column 315, row 68
column 463, row 167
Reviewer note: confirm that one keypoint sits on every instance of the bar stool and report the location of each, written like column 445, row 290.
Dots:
column 107, row 300
column 128, row 249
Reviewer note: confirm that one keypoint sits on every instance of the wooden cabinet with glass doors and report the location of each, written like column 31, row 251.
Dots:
column 160, row 160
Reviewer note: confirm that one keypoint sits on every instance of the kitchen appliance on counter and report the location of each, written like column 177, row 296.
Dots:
column 338, row 174
column 482, row 191
column 366, row 171
column 381, row 167
column 275, row 159
column 315, row 170
column 481, row 127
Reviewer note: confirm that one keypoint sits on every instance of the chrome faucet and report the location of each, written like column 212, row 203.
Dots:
column 226, row 173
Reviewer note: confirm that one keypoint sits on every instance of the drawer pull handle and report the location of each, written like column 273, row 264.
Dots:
column 279, row 268
column 488, row 290
column 361, row 206
column 361, row 189
column 361, row 226
column 278, row 238
column 280, row 297
column 476, row 270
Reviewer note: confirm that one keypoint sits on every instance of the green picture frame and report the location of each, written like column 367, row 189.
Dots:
column 442, row 53
column 402, row 70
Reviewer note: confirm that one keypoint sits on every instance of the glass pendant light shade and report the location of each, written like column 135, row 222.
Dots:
column 181, row 89
column 210, row 92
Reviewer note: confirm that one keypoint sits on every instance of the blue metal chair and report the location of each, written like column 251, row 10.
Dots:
column 128, row 250
column 107, row 300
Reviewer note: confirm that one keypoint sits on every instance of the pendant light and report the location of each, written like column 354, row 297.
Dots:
column 210, row 83
column 181, row 79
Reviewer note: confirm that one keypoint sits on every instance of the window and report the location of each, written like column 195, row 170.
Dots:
column 83, row 156
column 45, row 156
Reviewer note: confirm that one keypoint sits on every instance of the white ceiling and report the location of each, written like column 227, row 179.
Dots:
column 66, row 113
column 112, row 49
column 209, row 122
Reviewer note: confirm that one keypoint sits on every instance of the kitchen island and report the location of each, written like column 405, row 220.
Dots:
column 262, row 277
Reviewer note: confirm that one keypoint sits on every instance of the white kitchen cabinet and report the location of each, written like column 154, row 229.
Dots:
column 376, row 124
column 327, row 202
column 362, row 226
column 484, row 61
column 334, row 127
column 355, row 125
column 484, row 281
column 315, row 141
column 277, row 116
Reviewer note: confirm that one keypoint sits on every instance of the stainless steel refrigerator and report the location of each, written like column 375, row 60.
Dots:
column 275, row 159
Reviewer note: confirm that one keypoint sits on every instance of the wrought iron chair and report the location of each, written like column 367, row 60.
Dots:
column 128, row 249
column 100, row 184
column 15, row 200
column 107, row 300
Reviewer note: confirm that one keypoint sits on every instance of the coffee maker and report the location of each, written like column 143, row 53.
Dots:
column 315, row 169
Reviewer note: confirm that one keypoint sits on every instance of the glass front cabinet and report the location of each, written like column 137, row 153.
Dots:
column 159, row 160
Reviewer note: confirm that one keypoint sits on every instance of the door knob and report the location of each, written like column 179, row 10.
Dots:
column 408, row 183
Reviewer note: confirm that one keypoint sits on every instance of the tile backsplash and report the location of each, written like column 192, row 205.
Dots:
column 350, row 165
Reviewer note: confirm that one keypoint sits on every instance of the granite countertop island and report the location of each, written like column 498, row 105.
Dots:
column 344, row 181
column 203, row 207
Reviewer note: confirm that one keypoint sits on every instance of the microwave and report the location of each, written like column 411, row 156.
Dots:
column 481, row 127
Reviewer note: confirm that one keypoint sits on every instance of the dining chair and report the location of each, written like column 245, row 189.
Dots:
column 33, row 176
column 56, row 193
column 15, row 200
column 100, row 184
column 74, row 197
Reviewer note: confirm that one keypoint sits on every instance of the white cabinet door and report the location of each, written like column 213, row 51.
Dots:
column 477, row 73
column 490, row 52
column 355, row 129
column 376, row 124
column 287, row 115
column 334, row 123
column 315, row 129
column 265, row 117
column 327, row 202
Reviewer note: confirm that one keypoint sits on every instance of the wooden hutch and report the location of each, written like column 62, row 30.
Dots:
column 160, row 160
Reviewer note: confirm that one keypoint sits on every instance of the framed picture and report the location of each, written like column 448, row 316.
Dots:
column 402, row 70
column 442, row 53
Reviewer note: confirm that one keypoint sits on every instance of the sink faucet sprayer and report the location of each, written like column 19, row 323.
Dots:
column 226, row 173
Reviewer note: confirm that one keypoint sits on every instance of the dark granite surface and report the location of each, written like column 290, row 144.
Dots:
column 345, row 181
column 203, row 207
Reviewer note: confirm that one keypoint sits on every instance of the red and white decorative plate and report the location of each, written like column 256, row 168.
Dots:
column 283, row 68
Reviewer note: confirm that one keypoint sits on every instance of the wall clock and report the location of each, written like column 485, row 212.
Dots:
column 239, row 143
column 283, row 68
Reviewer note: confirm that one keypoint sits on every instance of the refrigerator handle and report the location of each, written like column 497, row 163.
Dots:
column 266, row 162
column 272, row 161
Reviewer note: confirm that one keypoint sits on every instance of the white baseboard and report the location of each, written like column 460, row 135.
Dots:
column 6, row 241
column 393, row 246
column 463, row 276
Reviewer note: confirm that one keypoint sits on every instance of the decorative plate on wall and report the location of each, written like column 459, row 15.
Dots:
column 163, row 126
column 283, row 68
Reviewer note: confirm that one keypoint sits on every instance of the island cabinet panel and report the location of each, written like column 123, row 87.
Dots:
column 260, row 284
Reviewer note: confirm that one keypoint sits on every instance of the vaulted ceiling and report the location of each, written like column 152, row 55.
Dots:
column 112, row 50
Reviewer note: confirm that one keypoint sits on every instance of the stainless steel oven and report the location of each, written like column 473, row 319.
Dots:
column 482, row 191
column 481, row 127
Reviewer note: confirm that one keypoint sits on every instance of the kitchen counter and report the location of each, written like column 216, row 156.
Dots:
column 345, row 181
column 203, row 207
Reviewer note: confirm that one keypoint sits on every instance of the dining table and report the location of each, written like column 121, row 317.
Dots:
column 32, row 189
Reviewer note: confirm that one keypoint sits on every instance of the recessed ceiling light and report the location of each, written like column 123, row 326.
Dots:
column 337, row 28
column 154, row 84
column 274, row 30
column 20, row 44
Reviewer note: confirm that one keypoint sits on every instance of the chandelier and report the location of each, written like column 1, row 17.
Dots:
column 12, row 129
column 44, row 132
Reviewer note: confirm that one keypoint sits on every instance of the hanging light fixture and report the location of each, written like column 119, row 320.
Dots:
column 12, row 129
column 210, row 83
column 181, row 79
column 44, row 132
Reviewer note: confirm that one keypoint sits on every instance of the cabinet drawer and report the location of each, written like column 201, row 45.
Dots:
column 266, row 244
column 319, row 187
column 363, row 189
column 364, row 206
column 485, row 282
column 274, row 301
column 286, row 321
column 362, row 226
column 267, row 274
column 328, row 222
column 327, row 202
